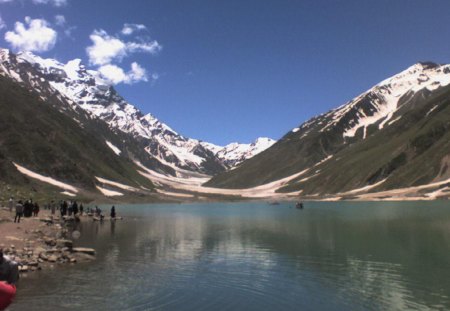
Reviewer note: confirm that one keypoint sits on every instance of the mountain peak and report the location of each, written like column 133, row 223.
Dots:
column 85, row 89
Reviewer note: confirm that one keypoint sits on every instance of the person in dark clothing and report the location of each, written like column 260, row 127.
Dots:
column 30, row 208
column 26, row 208
column 35, row 209
column 81, row 209
column 75, row 208
column 64, row 208
column 19, row 211
column 113, row 212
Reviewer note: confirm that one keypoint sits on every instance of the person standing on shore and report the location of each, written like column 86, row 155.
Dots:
column 53, row 207
column 75, row 208
column 70, row 209
column 64, row 208
column 19, row 211
column 113, row 212
column 11, row 204
column 35, row 209
column 9, row 275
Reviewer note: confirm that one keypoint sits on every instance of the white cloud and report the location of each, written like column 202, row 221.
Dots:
column 115, row 75
column 2, row 23
column 38, row 37
column 129, row 29
column 106, row 49
column 57, row 3
column 60, row 20
column 152, row 47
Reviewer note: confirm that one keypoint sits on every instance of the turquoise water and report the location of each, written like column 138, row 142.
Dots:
column 256, row 256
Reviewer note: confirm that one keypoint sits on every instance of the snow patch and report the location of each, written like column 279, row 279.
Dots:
column 45, row 179
column 70, row 194
column 109, row 193
column 364, row 188
column 116, row 184
column 431, row 110
column 113, row 148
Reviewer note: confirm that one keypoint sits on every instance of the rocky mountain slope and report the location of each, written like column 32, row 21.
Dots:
column 160, row 148
column 64, row 128
column 39, row 142
column 393, row 135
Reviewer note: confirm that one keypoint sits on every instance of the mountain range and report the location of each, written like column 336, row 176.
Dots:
column 81, row 95
column 392, row 139
column 66, row 130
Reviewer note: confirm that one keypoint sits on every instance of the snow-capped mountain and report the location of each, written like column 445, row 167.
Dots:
column 378, row 105
column 378, row 138
column 87, row 90
column 235, row 153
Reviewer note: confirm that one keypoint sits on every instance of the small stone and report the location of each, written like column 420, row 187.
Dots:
column 53, row 258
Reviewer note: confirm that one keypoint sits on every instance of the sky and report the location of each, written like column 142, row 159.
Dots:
column 225, row 71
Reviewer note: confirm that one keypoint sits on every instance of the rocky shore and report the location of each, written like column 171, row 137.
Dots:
column 42, row 242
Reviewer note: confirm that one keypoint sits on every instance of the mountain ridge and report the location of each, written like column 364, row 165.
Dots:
column 87, row 90
column 385, row 109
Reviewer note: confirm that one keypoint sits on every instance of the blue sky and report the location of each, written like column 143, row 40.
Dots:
column 224, row 71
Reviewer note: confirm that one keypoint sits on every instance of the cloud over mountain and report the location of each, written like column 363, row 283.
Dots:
column 34, row 35
column 107, row 51
column 115, row 75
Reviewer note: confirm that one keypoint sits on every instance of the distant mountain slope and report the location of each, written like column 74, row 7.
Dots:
column 394, row 135
column 161, row 148
column 235, row 153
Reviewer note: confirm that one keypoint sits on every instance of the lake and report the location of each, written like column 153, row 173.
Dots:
column 256, row 256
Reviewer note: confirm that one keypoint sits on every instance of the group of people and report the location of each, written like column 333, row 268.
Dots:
column 30, row 208
column 66, row 208
column 70, row 208
column 96, row 211
column 27, row 209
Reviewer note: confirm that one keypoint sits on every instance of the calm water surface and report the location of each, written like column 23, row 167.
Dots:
column 255, row 256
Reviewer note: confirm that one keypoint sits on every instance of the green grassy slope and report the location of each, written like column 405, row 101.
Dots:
column 39, row 137
column 411, row 151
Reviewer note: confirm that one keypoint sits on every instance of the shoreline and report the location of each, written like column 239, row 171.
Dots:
column 38, row 243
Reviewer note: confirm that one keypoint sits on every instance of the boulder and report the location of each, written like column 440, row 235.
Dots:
column 64, row 243
column 49, row 241
column 84, row 250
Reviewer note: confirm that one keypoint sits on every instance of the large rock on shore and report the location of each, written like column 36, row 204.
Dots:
column 84, row 250
column 64, row 243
